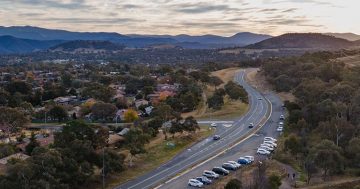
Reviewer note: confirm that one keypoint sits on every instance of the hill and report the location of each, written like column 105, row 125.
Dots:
column 347, row 36
column 302, row 40
column 215, row 41
column 10, row 44
column 36, row 33
column 87, row 46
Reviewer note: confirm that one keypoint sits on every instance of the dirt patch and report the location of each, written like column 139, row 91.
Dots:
column 351, row 61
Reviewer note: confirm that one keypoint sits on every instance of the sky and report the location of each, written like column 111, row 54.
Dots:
column 194, row 17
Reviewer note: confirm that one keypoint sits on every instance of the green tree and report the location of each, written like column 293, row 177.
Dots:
column 135, row 141
column 274, row 181
column 216, row 102
column 12, row 120
column 32, row 144
column 103, row 111
column 59, row 113
column 114, row 162
column 233, row 184
column 327, row 156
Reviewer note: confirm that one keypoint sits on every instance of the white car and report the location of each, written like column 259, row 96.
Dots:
column 210, row 174
column 268, row 148
column 236, row 164
column 271, row 143
column 196, row 183
column 270, row 139
column 280, row 129
column 281, row 123
column 262, row 151
column 250, row 158
column 213, row 124
column 259, row 98
column 282, row 117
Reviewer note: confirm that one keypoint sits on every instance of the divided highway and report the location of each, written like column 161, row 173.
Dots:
column 264, row 113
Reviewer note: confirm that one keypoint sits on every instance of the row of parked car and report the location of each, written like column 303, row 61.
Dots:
column 208, row 176
column 280, row 128
column 267, row 147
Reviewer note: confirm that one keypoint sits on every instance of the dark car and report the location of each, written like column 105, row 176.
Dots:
column 220, row 171
column 204, row 180
column 228, row 166
column 216, row 137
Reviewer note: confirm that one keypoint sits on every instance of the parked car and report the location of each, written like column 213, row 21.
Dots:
column 259, row 98
column 281, row 123
column 268, row 145
column 229, row 166
column 220, row 171
column 213, row 124
column 250, row 158
column 236, row 164
column 271, row 143
column 195, row 183
column 243, row 161
column 266, row 148
column 280, row 129
column 270, row 139
column 210, row 174
column 204, row 180
column 216, row 137
column 282, row 117
column 251, row 125
column 262, row 151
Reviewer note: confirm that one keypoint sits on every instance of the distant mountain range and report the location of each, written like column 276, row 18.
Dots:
column 139, row 41
column 303, row 40
column 10, row 44
column 24, row 39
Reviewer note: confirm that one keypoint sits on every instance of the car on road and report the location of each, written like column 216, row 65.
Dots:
column 243, row 161
column 204, row 180
column 262, row 151
column 281, row 123
column 280, row 129
column 236, row 164
column 282, row 117
column 210, row 174
column 250, row 158
column 195, row 183
column 251, row 125
column 270, row 139
column 229, row 166
column 271, row 143
column 216, row 137
column 213, row 124
column 220, row 171
column 259, row 98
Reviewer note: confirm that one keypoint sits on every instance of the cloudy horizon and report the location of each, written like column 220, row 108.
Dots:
column 220, row 17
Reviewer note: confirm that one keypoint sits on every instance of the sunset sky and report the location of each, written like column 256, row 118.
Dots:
column 222, row 17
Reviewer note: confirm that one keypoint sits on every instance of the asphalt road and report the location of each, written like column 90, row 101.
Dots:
column 191, row 161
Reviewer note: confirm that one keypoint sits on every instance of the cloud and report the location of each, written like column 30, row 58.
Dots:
column 58, row 4
column 93, row 20
column 200, row 8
